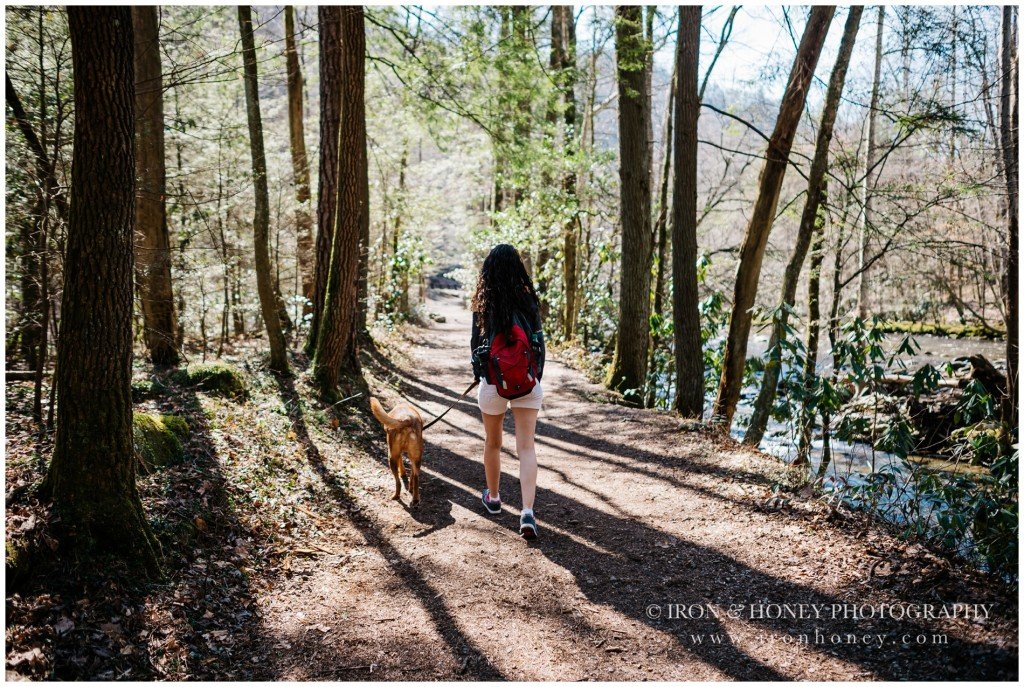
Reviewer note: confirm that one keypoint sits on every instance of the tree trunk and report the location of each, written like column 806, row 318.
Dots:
column 814, row 320
column 522, row 116
column 28, row 330
column 567, row 82
column 300, row 163
column 35, row 287
column 499, row 141
column 556, row 56
column 689, row 358
column 1009, row 121
column 237, row 314
column 43, row 161
column 870, row 176
column 748, row 271
column 42, row 249
column 661, row 234
column 629, row 363
column 336, row 346
column 92, row 475
column 261, row 219
column 815, row 195
column 650, row 11
column 153, row 244
column 330, row 119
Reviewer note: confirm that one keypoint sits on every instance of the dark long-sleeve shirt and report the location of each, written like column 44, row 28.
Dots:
column 479, row 338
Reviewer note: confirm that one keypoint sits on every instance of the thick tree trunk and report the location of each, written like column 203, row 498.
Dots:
column 330, row 119
column 269, row 305
column 1009, row 122
column 629, row 363
column 300, row 163
column 689, row 357
column 152, row 242
column 92, row 474
column 748, row 272
column 870, row 175
column 815, row 186
column 567, row 31
column 336, row 346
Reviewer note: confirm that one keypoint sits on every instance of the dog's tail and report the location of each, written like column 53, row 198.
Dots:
column 383, row 417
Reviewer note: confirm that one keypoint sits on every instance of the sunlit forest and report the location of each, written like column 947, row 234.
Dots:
column 776, row 254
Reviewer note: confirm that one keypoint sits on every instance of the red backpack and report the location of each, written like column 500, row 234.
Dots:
column 513, row 363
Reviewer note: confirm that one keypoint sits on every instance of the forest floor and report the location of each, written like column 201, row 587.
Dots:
column 666, row 552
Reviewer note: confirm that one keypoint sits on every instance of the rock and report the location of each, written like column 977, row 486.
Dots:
column 992, row 379
column 157, row 440
column 214, row 378
column 983, row 438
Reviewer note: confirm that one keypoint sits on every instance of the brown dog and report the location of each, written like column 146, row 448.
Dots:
column 404, row 428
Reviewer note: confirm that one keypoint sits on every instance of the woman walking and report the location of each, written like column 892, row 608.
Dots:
column 508, row 356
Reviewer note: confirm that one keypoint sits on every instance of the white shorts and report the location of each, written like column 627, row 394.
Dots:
column 492, row 404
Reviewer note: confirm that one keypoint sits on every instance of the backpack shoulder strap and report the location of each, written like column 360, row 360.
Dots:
column 523, row 322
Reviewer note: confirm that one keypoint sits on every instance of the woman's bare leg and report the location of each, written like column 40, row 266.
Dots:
column 492, row 451
column 526, row 427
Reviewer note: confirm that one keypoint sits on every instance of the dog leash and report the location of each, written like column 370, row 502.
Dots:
column 468, row 389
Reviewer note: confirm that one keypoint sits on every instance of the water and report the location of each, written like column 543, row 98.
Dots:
column 858, row 458
column 934, row 350
column 855, row 465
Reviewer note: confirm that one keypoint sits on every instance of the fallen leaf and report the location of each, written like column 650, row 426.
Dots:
column 63, row 626
column 31, row 657
column 111, row 629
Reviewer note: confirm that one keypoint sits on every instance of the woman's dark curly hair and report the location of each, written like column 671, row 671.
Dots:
column 504, row 288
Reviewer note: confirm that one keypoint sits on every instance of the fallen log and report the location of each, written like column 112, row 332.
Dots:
column 22, row 375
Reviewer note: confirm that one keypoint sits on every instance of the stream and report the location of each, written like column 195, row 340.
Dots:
column 853, row 462
column 849, row 458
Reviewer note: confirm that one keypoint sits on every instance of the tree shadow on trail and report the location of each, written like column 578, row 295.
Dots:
column 651, row 567
column 654, row 567
column 208, row 531
column 460, row 645
column 616, row 456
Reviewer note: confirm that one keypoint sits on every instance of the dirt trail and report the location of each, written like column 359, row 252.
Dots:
column 637, row 516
